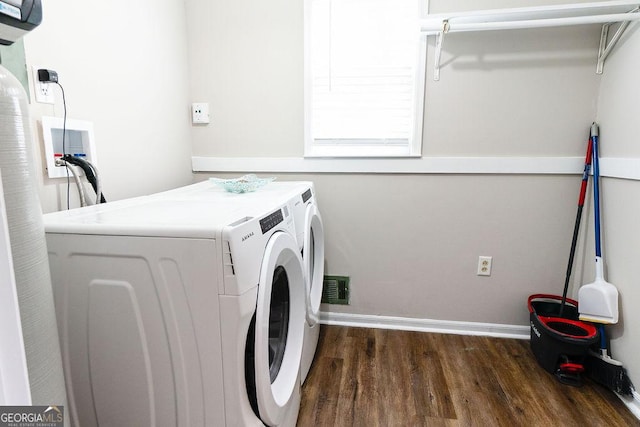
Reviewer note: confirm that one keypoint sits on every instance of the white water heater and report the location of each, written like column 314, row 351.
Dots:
column 24, row 222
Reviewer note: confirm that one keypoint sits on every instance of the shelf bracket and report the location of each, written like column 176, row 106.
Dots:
column 603, row 45
column 605, row 48
column 438, row 53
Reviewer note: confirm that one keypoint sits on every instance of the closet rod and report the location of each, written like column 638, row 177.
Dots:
column 450, row 26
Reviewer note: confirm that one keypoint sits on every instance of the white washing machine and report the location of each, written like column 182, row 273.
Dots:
column 310, row 237
column 300, row 197
column 178, row 313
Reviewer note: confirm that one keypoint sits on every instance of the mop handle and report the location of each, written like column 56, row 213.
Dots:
column 596, row 187
column 585, row 173
column 576, row 227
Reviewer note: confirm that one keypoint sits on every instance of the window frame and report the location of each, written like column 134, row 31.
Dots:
column 362, row 149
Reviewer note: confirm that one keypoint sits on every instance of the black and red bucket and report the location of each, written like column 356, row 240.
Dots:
column 560, row 344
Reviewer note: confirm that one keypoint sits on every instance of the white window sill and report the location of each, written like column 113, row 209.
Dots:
column 360, row 150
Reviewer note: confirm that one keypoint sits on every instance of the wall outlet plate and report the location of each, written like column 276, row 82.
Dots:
column 42, row 92
column 484, row 265
column 200, row 112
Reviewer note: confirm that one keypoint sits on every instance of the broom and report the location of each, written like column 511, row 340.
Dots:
column 609, row 372
column 598, row 301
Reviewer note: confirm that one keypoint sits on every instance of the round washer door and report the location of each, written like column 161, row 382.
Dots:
column 313, row 260
column 279, row 327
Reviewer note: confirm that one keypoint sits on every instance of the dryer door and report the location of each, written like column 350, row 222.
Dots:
column 279, row 328
column 313, row 260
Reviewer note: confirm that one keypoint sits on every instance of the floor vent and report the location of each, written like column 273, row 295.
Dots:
column 335, row 290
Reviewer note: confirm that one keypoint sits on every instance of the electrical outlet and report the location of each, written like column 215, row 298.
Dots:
column 200, row 112
column 43, row 91
column 484, row 265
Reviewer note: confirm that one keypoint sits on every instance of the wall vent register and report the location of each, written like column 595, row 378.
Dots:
column 335, row 290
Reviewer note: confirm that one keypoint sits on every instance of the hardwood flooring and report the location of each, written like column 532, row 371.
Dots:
column 376, row 377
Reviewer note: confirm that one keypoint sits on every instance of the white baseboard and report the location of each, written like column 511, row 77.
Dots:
column 425, row 325
column 633, row 403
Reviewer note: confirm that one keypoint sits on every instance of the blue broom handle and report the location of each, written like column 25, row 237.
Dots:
column 596, row 194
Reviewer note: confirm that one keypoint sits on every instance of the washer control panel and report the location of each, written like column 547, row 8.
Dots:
column 270, row 221
column 306, row 196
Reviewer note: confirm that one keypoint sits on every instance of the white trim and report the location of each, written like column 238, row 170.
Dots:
column 614, row 167
column 308, row 91
column 425, row 325
column 633, row 403
column 420, row 98
column 610, row 167
column 426, row 165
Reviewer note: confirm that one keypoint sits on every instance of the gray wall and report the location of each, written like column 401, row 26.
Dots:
column 411, row 242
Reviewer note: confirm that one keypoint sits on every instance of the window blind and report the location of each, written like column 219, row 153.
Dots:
column 363, row 68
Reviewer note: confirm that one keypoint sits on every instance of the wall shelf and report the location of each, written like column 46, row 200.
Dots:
column 606, row 13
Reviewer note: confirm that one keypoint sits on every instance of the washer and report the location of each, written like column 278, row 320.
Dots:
column 310, row 237
column 300, row 197
column 179, row 313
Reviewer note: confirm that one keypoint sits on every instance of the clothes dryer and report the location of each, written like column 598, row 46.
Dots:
column 310, row 238
column 178, row 314
column 301, row 200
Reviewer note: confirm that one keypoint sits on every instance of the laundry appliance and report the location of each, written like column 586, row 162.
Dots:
column 179, row 313
column 310, row 237
column 300, row 197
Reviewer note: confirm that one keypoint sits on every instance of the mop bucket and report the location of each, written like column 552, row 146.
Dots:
column 560, row 344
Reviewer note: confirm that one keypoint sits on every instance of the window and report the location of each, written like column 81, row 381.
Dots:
column 364, row 77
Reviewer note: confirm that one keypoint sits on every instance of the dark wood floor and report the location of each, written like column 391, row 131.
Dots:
column 376, row 377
